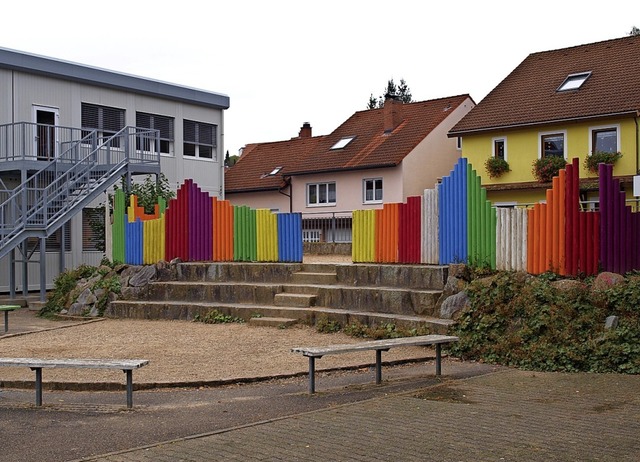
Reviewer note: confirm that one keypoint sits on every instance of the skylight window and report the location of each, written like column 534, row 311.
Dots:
column 574, row 81
column 343, row 142
column 273, row 172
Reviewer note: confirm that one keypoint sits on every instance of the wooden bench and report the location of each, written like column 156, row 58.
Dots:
column 6, row 309
column 35, row 364
column 379, row 346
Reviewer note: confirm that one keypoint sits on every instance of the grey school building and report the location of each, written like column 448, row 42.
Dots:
column 68, row 133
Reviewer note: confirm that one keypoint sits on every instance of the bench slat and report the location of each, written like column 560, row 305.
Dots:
column 127, row 364
column 421, row 340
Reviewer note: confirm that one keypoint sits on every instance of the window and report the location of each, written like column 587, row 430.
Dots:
column 343, row 142
column 199, row 140
column 574, row 81
column 604, row 139
column 321, row 194
column 552, row 145
column 458, row 143
column 93, row 229
column 500, row 148
column 163, row 124
column 372, row 190
column 106, row 120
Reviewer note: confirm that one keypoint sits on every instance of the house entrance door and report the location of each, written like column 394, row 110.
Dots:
column 46, row 141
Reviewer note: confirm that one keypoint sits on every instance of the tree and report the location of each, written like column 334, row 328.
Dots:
column 634, row 31
column 402, row 91
column 230, row 161
column 147, row 192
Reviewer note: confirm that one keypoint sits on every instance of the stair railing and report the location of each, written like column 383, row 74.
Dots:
column 48, row 199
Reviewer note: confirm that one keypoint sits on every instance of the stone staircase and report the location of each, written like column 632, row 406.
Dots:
column 280, row 294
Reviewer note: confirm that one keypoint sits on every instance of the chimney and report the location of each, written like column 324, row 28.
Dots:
column 305, row 130
column 392, row 112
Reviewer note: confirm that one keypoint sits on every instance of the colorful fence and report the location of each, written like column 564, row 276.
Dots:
column 197, row 227
column 458, row 224
column 619, row 226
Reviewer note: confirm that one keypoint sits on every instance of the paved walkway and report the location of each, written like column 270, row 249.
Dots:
column 510, row 415
column 475, row 413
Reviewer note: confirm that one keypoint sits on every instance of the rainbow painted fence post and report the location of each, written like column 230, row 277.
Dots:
column 197, row 227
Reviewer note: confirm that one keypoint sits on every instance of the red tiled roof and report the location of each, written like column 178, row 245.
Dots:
column 370, row 148
column 528, row 95
column 250, row 173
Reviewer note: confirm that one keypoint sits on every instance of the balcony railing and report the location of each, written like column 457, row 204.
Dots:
column 326, row 227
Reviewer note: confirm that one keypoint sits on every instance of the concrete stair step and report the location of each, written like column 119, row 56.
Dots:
column 319, row 268
column 314, row 278
column 268, row 321
column 295, row 300
column 185, row 310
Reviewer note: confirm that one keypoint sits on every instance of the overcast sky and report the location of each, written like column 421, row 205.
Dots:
column 286, row 62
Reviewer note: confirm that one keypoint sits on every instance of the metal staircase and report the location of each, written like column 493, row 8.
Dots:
column 75, row 177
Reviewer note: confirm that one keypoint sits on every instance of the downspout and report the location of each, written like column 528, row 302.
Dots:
column 287, row 181
column 635, row 119
column 222, row 166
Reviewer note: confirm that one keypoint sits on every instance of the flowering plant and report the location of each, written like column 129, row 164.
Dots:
column 591, row 162
column 496, row 166
column 545, row 168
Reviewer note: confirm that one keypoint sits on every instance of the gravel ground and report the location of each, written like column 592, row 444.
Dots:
column 182, row 351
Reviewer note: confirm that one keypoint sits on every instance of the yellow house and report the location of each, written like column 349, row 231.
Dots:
column 569, row 103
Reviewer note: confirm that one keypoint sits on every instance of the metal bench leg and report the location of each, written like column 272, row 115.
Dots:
column 378, row 367
column 438, row 359
column 312, row 375
column 6, row 322
column 38, row 385
column 129, row 373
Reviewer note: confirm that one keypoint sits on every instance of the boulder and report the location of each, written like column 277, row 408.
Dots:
column 460, row 271
column 606, row 280
column 453, row 305
column 453, row 286
column 567, row 285
column 86, row 297
column 143, row 276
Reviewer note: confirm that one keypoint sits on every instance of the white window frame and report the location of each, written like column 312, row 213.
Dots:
column 318, row 185
column 364, row 190
column 615, row 127
column 459, row 143
column 493, row 146
column 553, row 132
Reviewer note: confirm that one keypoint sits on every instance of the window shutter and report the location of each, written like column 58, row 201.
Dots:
column 89, row 116
column 189, row 131
column 143, row 120
column 112, row 119
column 105, row 118
column 165, row 126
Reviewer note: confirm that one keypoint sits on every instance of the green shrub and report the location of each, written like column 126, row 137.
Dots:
column 527, row 322
column 63, row 288
column 325, row 325
column 216, row 317
column 592, row 161
column 496, row 167
column 545, row 168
